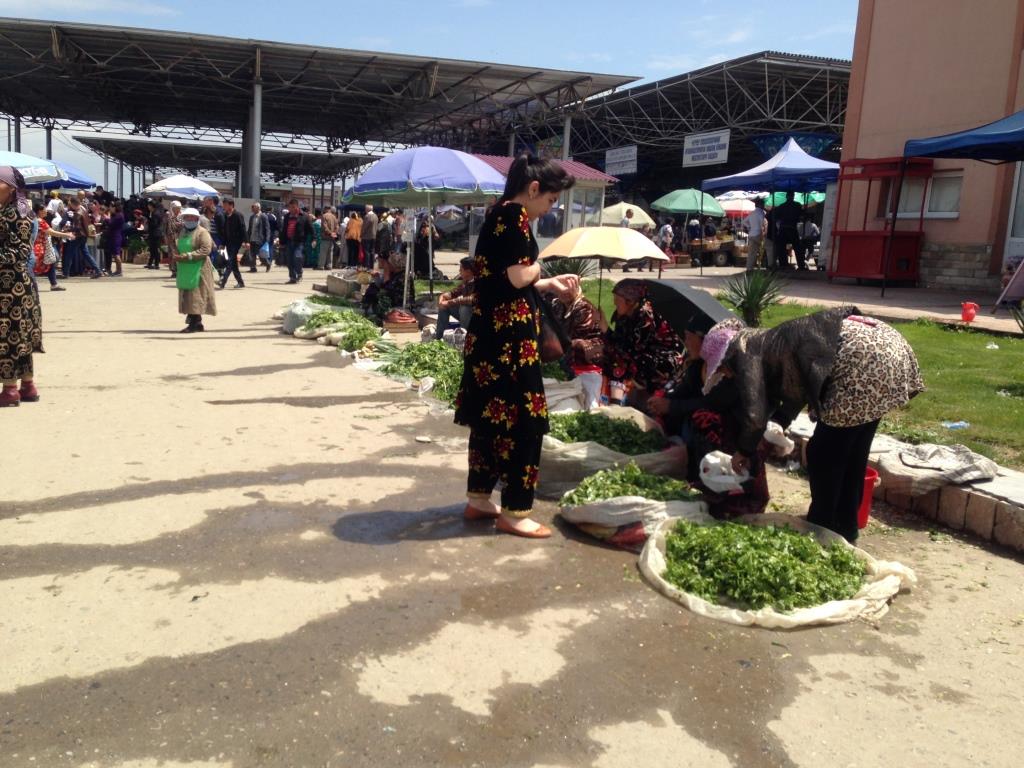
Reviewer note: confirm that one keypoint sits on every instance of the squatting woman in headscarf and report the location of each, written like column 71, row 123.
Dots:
column 21, row 322
column 196, row 293
column 847, row 369
column 642, row 348
column 501, row 397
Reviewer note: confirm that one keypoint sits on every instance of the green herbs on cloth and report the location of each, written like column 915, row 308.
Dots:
column 619, row 435
column 754, row 566
column 435, row 359
column 629, row 480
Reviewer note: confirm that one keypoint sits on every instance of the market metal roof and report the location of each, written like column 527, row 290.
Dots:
column 78, row 75
column 583, row 172
column 191, row 157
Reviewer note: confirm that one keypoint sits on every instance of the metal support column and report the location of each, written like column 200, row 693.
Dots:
column 120, row 178
column 49, row 142
column 566, row 137
column 17, row 134
column 512, row 144
column 256, row 128
column 131, row 172
column 106, row 175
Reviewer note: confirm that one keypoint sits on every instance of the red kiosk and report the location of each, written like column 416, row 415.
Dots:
column 861, row 253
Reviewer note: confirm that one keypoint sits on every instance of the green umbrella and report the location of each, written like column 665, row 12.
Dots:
column 688, row 201
column 804, row 198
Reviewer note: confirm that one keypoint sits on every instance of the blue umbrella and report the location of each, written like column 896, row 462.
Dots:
column 427, row 176
column 74, row 178
column 36, row 170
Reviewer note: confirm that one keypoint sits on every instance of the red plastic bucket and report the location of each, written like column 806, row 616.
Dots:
column 870, row 481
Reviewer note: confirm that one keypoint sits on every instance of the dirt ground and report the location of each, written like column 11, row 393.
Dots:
column 226, row 550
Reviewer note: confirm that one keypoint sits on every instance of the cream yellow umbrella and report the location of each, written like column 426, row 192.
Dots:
column 618, row 243
column 613, row 215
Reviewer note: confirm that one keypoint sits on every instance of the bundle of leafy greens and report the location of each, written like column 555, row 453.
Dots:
column 329, row 301
column 432, row 358
column 753, row 566
column 629, row 480
column 327, row 317
column 619, row 435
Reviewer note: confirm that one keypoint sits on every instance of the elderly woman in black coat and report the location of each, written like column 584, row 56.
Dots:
column 848, row 370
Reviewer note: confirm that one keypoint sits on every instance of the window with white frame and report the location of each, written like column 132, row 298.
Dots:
column 941, row 197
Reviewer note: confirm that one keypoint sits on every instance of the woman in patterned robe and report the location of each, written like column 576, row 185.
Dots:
column 501, row 397
column 21, row 323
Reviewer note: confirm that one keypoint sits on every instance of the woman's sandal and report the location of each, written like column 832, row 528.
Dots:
column 541, row 532
column 472, row 513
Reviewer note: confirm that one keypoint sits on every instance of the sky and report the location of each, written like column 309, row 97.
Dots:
column 668, row 38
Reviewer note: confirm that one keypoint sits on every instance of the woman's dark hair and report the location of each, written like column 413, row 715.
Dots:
column 527, row 169
column 37, row 207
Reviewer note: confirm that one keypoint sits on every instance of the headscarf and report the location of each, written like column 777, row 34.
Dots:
column 631, row 290
column 716, row 344
column 12, row 177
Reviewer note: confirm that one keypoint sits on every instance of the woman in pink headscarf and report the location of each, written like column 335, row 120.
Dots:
column 21, row 323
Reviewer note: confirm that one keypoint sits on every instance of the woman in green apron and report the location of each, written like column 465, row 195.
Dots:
column 195, row 272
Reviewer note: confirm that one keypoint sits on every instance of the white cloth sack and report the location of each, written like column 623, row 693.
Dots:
column 625, row 510
column 563, row 466
column 563, row 396
column 883, row 580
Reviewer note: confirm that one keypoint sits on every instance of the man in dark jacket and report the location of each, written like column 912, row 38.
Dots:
column 258, row 237
column 233, row 235
column 157, row 231
column 295, row 227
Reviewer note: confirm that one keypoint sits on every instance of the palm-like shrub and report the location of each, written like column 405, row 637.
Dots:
column 752, row 293
column 561, row 266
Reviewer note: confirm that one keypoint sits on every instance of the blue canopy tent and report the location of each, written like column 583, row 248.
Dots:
column 1001, row 141
column 998, row 142
column 790, row 169
column 76, row 178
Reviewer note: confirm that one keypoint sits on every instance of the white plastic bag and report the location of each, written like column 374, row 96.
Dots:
column 564, row 396
column 776, row 435
column 297, row 314
column 883, row 580
column 716, row 473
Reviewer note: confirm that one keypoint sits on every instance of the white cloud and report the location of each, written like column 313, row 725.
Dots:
column 45, row 8
column 737, row 36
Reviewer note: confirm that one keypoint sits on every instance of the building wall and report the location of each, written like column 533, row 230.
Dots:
column 928, row 67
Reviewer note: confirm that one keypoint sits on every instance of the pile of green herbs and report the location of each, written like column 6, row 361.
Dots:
column 619, row 435
column 327, row 317
column 329, row 301
column 629, row 480
column 435, row 359
column 753, row 566
column 357, row 329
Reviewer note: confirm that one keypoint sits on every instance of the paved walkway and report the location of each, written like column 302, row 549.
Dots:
column 224, row 550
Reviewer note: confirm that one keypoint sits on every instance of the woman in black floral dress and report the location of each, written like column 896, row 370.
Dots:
column 501, row 398
column 21, row 327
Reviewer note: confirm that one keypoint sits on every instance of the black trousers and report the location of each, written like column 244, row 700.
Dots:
column 231, row 268
column 512, row 458
column 154, row 253
column 353, row 252
column 836, row 460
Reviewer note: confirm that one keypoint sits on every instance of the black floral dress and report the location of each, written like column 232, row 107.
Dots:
column 21, row 324
column 501, row 398
column 643, row 348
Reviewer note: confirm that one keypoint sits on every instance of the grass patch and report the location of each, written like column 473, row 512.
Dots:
column 422, row 286
column 603, row 286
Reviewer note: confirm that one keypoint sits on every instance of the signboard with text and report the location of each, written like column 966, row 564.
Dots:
column 620, row 160
column 706, row 148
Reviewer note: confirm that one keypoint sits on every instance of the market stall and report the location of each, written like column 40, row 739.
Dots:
column 861, row 253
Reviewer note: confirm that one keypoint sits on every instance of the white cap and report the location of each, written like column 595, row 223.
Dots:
column 190, row 212
column 175, row 203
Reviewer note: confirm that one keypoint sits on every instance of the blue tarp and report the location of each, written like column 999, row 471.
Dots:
column 790, row 169
column 1002, row 141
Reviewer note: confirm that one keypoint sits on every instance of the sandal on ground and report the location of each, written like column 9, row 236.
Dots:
column 472, row 513
column 542, row 532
